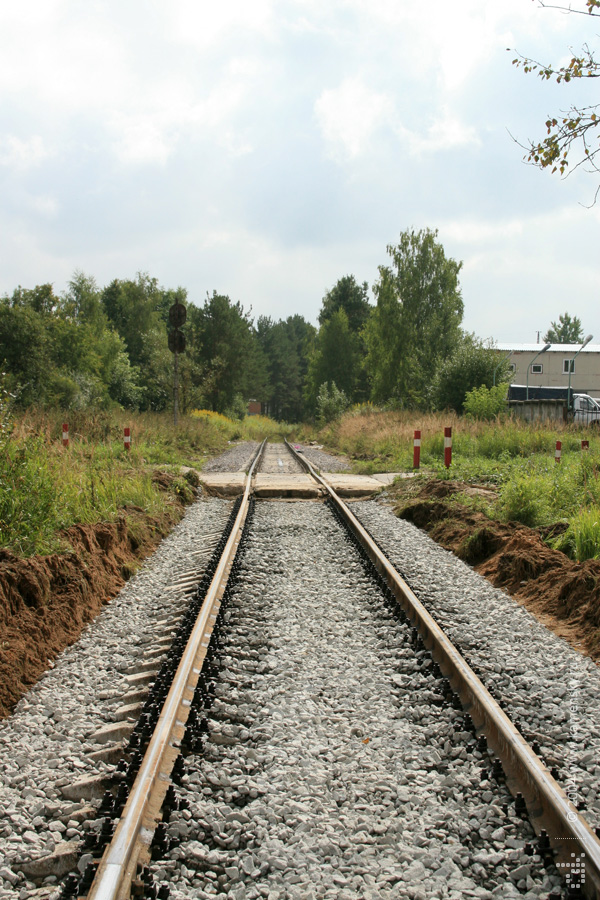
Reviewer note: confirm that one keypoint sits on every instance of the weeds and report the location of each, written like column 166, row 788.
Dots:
column 581, row 540
column 514, row 457
column 45, row 488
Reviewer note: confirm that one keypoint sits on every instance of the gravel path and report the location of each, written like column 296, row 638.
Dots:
column 551, row 692
column 328, row 773
column 324, row 461
column 44, row 744
column 236, row 459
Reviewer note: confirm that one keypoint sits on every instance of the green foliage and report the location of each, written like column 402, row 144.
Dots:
column 28, row 496
column 225, row 348
column 284, row 346
column 566, row 331
column 522, row 501
column 581, row 540
column 486, row 402
column 335, row 358
column 45, row 488
column 568, row 132
column 331, row 402
column 472, row 364
column 350, row 297
column 238, row 409
column 416, row 323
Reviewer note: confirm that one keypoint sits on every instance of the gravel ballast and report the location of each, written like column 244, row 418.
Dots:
column 324, row 461
column 44, row 745
column 236, row 459
column 327, row 772
column 548, row 689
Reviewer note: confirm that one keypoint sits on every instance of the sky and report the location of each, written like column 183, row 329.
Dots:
column 266, row 149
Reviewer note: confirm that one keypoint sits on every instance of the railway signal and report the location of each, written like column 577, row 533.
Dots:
column 176, row 340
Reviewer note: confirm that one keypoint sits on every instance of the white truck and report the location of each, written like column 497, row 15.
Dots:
column 535, row 403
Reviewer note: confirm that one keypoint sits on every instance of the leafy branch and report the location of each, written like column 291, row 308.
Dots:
column 575, row 127
column 590, row 4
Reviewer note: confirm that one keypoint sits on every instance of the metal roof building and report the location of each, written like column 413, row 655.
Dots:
column 551, row 367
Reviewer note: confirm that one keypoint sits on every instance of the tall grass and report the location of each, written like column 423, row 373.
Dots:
column 581, row 540
column 45, row 487
column 514, row 457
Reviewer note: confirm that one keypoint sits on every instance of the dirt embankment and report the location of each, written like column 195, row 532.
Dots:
column 46, row 601
column 563, row 594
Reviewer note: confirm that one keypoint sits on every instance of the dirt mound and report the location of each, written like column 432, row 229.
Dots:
column 439, row 489
column 563, row 594
column 46, row 602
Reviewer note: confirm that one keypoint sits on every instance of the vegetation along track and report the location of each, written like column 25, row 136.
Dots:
column 330, row 750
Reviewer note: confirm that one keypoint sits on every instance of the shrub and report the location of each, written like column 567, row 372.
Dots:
column 581, row 540
column 485, row 402
column 331, row 402
column 523, row 500
column 238, row 408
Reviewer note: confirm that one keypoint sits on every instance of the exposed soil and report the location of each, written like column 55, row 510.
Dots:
column 563, row 594
column 47, row 601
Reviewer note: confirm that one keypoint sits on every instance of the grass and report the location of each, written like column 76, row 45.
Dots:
column 581, row 540
column 45, row 487
column 513, row 457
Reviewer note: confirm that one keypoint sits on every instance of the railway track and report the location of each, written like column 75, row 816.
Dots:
column 260, row 729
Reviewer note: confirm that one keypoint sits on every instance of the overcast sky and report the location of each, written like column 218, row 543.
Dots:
column 266, row 148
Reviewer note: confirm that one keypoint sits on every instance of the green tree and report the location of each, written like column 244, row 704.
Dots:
column 138, row 310
column 331, row 402
column 135, row 308
column 353, row 298
column 343, row 364
column 282, row 344
column 486, row 402
column 83, row 303
column 302, row 335
column 41, row 299
column 415, row 325
column 25, row 352
column 336, row 358
column 226, row 349
column 566, row 331
column 572, row 132
column 473, row 364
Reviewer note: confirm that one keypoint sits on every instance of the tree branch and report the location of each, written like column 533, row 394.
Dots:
column 591, row 5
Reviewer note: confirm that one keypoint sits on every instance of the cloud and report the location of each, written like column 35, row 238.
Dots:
column 22, row 154
column 349, row 117
column 354, row 118
column 206, row 25
column 269, row 148
column 445, row 133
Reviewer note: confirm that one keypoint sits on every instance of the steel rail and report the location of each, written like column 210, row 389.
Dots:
column 549, row 807
column 138, row 821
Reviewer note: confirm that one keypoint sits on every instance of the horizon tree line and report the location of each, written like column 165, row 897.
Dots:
column 107, row 346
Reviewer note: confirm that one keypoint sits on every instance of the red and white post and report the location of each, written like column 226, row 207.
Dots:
column 417, row 450
column 558, row 452
column 127, row 438
column 65, row 437
column 585, row 445
column 448, row 446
